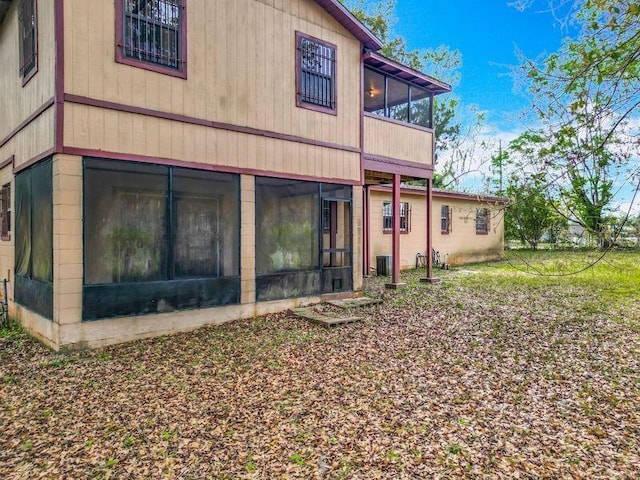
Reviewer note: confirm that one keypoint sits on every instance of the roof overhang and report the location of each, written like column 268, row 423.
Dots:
column 408, row 74
column 441, row 193
column 4, row 6
column 351, row 23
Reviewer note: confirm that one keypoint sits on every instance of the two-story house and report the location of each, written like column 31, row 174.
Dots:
column 166, row 164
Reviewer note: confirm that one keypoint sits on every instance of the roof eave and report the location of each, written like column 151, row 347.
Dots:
column 408, row 74
column 351, row 23
column 442, row 193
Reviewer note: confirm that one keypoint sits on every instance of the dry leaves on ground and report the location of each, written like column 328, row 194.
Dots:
column 461, row 379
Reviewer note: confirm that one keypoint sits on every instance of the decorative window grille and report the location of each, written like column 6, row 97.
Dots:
column 317, row 73
column 152, row 31
column 387, row 217
column 5, row 212
column 28, row 38
column 482, row 220
column 445, row 219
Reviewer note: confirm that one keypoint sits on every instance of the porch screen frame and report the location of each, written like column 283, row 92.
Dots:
column 170, row 290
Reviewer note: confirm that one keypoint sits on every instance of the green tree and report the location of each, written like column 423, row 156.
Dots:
column 530, row 214
column 586, row 98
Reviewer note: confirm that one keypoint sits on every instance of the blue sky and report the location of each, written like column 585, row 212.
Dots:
column 487, row 34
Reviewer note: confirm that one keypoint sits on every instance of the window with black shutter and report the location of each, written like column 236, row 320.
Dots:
column 445, row 219
column 482, row 221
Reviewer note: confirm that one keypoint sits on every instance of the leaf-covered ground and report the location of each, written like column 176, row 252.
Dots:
column 492, row 373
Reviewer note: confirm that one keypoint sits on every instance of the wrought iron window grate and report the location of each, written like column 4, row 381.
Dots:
column 152, row 31
column 317, row 68
column 28, row 37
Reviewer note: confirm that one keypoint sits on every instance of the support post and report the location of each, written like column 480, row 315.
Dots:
column 395, row 243
column 429, row 258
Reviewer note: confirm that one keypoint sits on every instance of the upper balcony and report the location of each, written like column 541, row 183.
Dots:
column 398, row 110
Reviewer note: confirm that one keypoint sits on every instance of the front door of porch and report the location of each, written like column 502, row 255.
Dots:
column 336, row 251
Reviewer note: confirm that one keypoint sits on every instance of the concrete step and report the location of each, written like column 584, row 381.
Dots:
column 326, row 320
column 354, row 302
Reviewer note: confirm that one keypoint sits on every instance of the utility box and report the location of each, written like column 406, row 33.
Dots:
column 383, row 265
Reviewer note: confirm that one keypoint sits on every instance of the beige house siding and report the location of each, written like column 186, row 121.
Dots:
column 402, row 142
column 20, row 140
column 32, row 141
column 240, row 70
column 463, row 244
column 18, row 102
column 95, row 128
column 460, row 246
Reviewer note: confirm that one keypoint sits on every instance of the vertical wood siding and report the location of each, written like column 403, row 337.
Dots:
column 389, row 139
column 97, row 128
column 17, row 103
column 35, row 139
column 240, row 70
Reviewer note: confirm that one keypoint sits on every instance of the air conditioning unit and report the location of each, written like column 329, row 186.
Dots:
column 383, row 265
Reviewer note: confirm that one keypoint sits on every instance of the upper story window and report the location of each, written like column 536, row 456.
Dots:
column 482, row 221
column 152, row 35
column 445, row 219
column 27, row 18
column 387, row 217
column 315, row 74
column 392, row 98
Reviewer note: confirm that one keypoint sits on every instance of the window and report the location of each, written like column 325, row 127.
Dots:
column 34, row 238
column 5, row 212
column 315, row 74
column 397, row 100
column 152, row 35
column 390, row 97
column 387, row 217
column 27, row 17
column 158, row 238
column 482, row 221
column 445, row 219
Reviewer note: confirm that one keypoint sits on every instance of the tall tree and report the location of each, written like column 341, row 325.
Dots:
column 531, row 214
column 586, row 98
